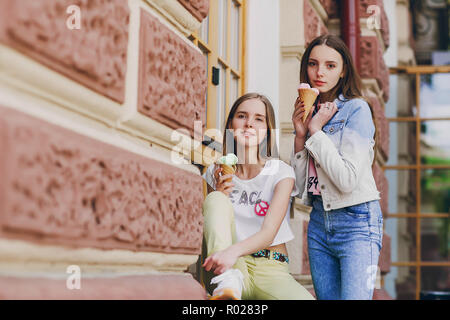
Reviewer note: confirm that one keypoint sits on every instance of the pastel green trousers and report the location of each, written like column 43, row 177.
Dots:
column 264, row 279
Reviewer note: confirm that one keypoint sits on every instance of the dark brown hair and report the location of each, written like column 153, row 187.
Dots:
column 268, row 147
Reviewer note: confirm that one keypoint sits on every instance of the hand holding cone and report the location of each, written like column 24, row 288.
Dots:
column 308, row 95
column 228, row 164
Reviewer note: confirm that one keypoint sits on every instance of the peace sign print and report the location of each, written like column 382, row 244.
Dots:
column 261, row 208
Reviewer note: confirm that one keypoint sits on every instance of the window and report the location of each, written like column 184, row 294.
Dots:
column 221, row 39
column 418, row 172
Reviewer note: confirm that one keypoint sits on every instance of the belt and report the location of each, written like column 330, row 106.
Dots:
column 315, row 197
column 267, row 254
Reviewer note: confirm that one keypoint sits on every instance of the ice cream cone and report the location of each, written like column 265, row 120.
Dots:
column 308, row 96
column 228, row 164
column 226, row 169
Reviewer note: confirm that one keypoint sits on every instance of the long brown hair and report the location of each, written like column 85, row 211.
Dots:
column 268, row 147
column 350, row 85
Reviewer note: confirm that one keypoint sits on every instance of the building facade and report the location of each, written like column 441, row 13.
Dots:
column 110, row 111
column 92, row 203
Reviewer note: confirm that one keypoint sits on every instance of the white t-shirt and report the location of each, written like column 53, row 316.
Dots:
column 251, row 199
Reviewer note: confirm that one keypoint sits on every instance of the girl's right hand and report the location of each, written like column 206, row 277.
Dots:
column 221, row 184
column 300, row 127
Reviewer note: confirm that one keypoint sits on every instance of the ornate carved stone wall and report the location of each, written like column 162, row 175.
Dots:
column 382, row 127
column 365, row 11
column 331, row 7
column 94, row 55
column 172, row 77
column 314, row 25
column 198, row 8
column 59, row 187
column 373, row 65
column 383, row 186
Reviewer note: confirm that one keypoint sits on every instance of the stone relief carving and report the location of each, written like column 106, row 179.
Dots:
column 64, row 188
column 94, row 55
column 331, row 7
column 172, row 77
column 364, row 12
column 314, row 25
column 382, row 186
column 382, row 127
column 198, row 8
column 373, row 65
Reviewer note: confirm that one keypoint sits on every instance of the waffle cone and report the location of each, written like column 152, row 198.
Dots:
column 308, row 97
column 226, row 169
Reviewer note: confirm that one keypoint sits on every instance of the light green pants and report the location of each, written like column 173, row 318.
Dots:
column 264, row 279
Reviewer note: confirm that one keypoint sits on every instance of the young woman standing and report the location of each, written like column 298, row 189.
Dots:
column 332, row 158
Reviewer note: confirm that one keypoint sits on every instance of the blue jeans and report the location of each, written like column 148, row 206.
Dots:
column 344, row 246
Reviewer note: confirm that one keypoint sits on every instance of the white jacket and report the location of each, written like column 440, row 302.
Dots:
column 343, row 154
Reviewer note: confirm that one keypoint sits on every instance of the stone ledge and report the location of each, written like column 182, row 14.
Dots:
column 293, row 51
column 198, row 8
column 24, row 75
column 177, row 13
column 148, row 287
column 321, row 8
column 19, row 258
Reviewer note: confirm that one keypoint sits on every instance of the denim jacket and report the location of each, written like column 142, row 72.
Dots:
column 343, row 153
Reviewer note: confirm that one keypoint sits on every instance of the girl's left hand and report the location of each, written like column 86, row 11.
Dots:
column 325, row 113
column 220, row 261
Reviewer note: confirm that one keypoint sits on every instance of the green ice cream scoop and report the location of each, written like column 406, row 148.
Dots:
column 230, row 159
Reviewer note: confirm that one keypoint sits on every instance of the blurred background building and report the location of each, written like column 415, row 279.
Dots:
column 418, row 167
column 111, row 110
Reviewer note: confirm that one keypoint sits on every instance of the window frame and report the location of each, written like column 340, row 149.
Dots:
column 211, row 48
column 418, row 167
